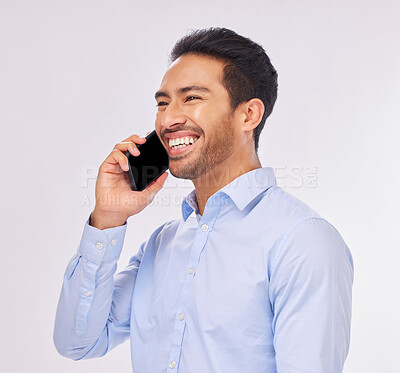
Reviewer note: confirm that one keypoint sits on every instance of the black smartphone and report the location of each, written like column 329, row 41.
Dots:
column 152, row 161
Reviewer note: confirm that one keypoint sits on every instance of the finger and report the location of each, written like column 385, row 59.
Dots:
column 156, row 185
column 135, row 138
column 117, row 157
column 130, row 144
column 123, row 146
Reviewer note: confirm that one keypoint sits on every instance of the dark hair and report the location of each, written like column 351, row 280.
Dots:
column 248, row 72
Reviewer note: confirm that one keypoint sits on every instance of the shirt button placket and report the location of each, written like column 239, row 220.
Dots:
column 180, row 325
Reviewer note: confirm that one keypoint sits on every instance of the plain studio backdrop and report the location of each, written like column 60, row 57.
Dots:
column 76, row 77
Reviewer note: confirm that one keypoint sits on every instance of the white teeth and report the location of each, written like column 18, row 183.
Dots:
column 183, row 141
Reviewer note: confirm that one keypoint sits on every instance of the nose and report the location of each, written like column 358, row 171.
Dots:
column 172, row 115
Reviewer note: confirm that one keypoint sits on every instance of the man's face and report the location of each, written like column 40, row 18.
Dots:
column 194, row 106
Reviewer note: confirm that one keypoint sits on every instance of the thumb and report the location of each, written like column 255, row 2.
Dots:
column 156, row 185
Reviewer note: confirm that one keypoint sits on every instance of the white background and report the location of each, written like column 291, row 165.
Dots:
column 76, row 77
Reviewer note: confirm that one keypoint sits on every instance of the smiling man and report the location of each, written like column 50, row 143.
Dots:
column 193, row 102
column 248, row 279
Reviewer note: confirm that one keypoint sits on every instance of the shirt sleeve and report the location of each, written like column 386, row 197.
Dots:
column 310, row 293
column 93, row 313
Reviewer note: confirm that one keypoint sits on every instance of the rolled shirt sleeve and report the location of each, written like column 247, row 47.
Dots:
column 310, row 293
column 94, row 309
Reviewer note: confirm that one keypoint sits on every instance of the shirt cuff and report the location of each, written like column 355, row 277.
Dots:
column 101, row 246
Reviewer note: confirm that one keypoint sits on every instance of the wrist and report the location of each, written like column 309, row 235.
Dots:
column 105, row 220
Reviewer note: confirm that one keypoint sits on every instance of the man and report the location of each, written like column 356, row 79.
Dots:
column 250, row 279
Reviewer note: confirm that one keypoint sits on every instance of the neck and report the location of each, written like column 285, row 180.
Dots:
column 210, row 182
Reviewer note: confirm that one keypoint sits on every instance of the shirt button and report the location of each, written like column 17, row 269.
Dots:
column 191, row 270
column 204, row 227
column 87, row 292
column 181, row 316
column 99, row 245
column 172, row 364
column 113, row 242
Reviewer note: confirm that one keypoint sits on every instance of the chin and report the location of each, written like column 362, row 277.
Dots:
column 184, row 172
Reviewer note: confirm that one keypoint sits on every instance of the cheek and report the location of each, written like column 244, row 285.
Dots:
column 158, row 115
column 203, row 113
column 158, row 119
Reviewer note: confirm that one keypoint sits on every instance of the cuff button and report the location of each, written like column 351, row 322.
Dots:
column 99, row 245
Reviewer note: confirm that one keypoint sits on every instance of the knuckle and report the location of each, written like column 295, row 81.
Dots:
column 115, row 152
column 117, row 155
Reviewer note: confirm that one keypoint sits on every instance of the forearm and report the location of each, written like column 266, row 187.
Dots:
column 82, row 328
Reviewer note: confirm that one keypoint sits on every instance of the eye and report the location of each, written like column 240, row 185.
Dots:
column 191, row 98
column 161, row 103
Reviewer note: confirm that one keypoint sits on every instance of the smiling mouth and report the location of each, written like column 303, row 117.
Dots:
column 182, row 144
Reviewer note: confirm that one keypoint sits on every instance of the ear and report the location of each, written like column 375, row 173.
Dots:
column 252, row 113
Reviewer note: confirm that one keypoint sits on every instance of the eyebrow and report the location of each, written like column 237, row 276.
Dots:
column 182, row 90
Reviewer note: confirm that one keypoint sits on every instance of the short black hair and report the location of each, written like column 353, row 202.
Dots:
column 248, row 72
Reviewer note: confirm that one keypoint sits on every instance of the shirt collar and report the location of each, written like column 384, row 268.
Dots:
column 241, row 190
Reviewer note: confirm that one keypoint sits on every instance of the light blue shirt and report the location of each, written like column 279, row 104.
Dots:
column 259, row 283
